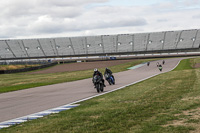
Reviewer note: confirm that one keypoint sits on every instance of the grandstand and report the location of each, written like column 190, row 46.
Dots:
column 155, row 42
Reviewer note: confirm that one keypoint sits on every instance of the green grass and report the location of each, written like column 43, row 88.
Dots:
column 19, row 81
column 185, row 64
column 155, row 105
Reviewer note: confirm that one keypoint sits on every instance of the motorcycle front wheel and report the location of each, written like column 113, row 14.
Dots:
column 101, row 87
column 98, row 87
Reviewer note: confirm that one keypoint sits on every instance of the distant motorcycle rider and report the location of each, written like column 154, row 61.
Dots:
column 96, row 72
column 163, row 62
column 160, row 67
column 108, row 71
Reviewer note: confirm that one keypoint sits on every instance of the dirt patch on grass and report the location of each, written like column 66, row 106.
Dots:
column 192, row 119
column 197, row 65
column 13, row 67
column 80, row 66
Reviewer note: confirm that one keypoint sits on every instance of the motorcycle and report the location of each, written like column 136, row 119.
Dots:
column 109, row 78
column 98, row 83
column 160, row 67
column 148, row 63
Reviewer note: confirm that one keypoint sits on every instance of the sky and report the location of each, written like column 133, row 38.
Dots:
column 22, row 19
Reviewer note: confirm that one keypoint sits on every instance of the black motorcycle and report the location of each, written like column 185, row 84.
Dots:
column 98, row 83
column 109, row 77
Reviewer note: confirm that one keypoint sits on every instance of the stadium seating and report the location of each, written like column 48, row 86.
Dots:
column 104, row 44
column 171, row 40
column 124, row 43
column 79, row 46
column 109, row 43
column 64, row 46
column 186, row 39
column 17, row 48
column 197, row 40
column 140, row 41
column 5, row 50
column 155, row 41
column 94, row 45
column 48, row 47
column 32, row 47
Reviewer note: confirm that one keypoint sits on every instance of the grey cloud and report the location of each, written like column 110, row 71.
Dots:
column 113, row 23
column 49, row 26
column 69, row 2
column 56, row 8
column 120, row 23
column 65, row 17
column 11, row 31
column 27, row 9
column 191, row 2
column 196, row 16
column 162, row 20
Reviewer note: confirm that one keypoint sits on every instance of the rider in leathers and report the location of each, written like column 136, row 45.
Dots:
column 108, row 71
column 96, row 72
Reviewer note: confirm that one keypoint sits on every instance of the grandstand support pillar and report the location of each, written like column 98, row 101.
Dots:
column 117, row 39
column 24, row 48
column 56, row 48
column 195, row 38
column 163, row 43
column 114, row 43
column 133, row 42
column 178, row 39
column 10, row 48
column 53, row 49
column 86, row 47
column 70, row 40
column 22, row 55
column 102, row 42
column 147, row 41
column 41, row 47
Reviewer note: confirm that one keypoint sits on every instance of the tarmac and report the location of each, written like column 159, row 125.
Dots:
column 29, row 101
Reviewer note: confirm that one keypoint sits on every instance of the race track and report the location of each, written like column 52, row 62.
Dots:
column 24, row 102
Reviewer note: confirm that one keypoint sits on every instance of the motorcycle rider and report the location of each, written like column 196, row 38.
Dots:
column 96, row 72
column 163, row 62
column 108, row 71
column 160, row 67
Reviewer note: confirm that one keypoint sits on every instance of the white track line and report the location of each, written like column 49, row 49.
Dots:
column 36, row 115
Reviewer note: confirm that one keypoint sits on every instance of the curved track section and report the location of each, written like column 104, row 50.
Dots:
column 30, row 101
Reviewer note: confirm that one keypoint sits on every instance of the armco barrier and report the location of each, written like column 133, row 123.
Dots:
column 27, row 69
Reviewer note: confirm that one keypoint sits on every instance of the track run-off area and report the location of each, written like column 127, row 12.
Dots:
column 30, row 101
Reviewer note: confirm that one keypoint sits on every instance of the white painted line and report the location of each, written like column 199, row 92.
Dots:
column 44, row 113
column 32, row 117
column 4, row 126
column 36, row 115
column 59, row 109
column 18, row 121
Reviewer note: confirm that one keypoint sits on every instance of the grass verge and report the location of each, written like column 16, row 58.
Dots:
column 166, row 103
column 185, row 64
column 12, row 67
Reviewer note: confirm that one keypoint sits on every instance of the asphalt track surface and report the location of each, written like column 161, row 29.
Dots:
column 25, row 102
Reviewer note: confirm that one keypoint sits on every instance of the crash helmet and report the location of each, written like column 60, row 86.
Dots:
column 95, row 70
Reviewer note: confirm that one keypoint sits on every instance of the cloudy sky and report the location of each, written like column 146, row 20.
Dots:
column 65, row 18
